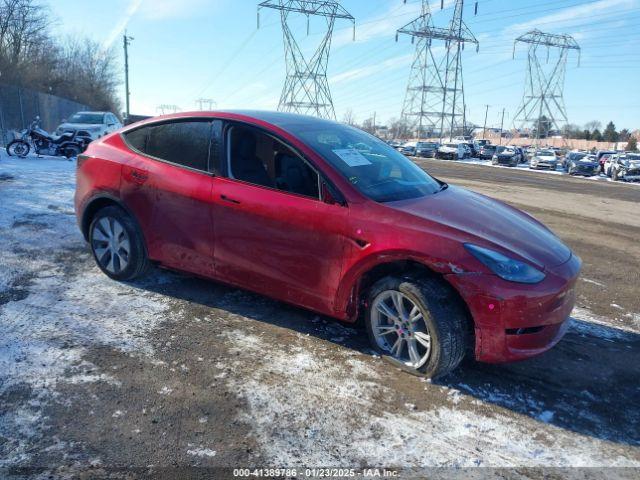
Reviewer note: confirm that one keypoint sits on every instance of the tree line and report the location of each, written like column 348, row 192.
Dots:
column 32, row 57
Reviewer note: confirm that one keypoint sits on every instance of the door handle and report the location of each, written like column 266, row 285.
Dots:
column 230, row 200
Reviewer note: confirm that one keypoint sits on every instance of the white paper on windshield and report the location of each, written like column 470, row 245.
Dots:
column 351, row 157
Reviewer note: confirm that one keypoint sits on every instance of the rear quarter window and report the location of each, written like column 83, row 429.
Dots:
column 138, row 139
column 192, row 143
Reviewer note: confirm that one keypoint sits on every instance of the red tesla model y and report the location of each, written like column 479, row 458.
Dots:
column 330, row 218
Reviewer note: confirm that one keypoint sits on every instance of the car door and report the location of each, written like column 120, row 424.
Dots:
column 272, row 232
column 170, row 182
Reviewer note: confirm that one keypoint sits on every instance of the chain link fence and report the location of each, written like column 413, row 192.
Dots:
column 19, row 106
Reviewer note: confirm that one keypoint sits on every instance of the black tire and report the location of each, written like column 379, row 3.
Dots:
column 443, row 313
column 138, row 262
column 71, row 151
column 24, row 148
column 614, row 175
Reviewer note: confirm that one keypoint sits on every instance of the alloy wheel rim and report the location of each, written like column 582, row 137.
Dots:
column 19, row 149
column 400, row 328
column 111, row 244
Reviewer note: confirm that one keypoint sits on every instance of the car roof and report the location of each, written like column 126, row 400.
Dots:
column 283, row 120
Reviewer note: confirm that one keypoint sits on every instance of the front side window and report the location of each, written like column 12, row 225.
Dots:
column 260, row 159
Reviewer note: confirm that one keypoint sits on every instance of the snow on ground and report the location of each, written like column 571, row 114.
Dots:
column 48, row 316
column 309, row 408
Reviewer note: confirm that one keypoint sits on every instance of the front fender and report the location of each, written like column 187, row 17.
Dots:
column 346, row 304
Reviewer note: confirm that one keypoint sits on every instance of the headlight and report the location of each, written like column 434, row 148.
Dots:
column 505, row 267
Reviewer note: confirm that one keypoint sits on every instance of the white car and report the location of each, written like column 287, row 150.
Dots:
column 96, row 124
column 451, row 151
column 544, row 159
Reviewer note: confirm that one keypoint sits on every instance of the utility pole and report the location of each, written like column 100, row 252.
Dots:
column 484, row 129
column 126, row 40
column 501, row 126
column 374, row 123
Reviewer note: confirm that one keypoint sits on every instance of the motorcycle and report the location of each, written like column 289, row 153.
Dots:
column 69, row 144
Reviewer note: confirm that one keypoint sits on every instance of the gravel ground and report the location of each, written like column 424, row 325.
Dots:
column 174, row 376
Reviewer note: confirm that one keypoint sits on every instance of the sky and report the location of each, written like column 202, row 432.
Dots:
column 189, row 49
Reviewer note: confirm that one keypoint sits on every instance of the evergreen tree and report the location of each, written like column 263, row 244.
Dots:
column 632, row 145
column 596, row 135
column 610, row 134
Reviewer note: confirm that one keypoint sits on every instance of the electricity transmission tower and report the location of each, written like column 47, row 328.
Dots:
column 434, row 101
column 544, row 85
column 209, row 102
column 306, row 89
column 165, row 109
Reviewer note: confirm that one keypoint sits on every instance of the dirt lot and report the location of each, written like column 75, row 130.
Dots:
column 100, row 379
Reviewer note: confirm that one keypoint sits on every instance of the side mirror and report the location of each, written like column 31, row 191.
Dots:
column 329, row 196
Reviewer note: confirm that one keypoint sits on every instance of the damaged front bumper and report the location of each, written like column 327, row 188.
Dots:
column 515, row 321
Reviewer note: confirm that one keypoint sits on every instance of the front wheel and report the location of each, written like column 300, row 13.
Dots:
column 418, row 325
column 614, row 175
column 117, row 244
column 19, row 148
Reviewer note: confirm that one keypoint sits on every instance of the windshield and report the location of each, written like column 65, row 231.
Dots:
column 426, row 145
column 89, row 118
column 506, row 150
column 545, row 153
column 373, row 167
column 633, row 157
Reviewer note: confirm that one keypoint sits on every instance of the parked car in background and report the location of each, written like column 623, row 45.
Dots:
column 523, row 154
column 608, row 160
column 487, row 151
column 586, row 165
column 545, row 158
column 470, row 149
column 451, row 151
column 426, row 149
column 600, row 156
column 409, row 149
column 506, row 155
column 626, row 167
column 572, row 155
column 95, row 124
column 435, row 270
column 394, row 144
column 480, row 143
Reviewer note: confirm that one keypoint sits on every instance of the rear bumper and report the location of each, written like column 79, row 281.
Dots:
column 516, row 321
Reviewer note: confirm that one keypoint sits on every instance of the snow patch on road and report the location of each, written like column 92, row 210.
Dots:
column 316, row 413
column 50, row 316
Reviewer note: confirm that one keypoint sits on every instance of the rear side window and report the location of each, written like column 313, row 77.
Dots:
column 193, row 144
column 182, row 143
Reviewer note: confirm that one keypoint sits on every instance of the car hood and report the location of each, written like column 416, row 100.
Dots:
column 80, row 126
column 488, row 222
column 547, row 158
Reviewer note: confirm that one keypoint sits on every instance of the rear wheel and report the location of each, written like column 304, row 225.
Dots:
column 19, row 148
column 117, row 244
column 71, row 151
column 418, row 325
